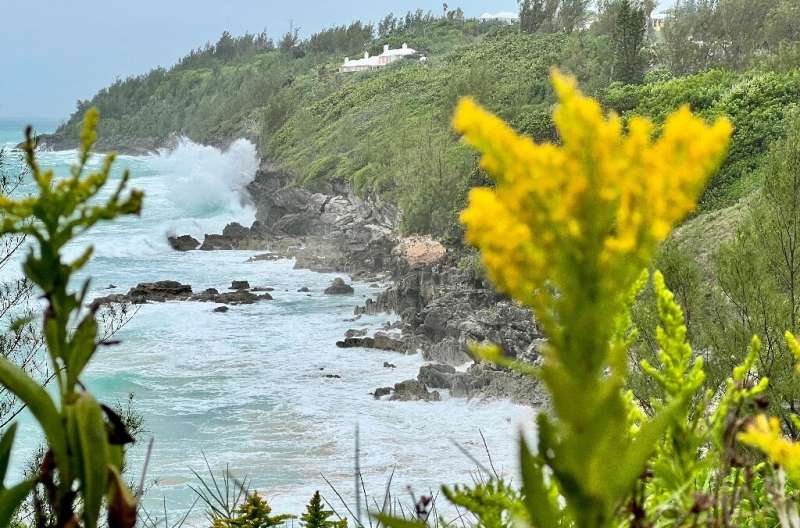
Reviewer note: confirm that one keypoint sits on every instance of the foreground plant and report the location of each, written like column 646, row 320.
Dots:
column 85, row 439
column 567, row 231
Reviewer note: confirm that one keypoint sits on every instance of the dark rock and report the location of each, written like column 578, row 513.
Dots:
column 339, row 287
column 221, row 309
column 413, row 390
column 160, row 291
column 304, row 289
column 386, row 341
column 436, row 376
column 381, row 392
column 386, row 364
column 356, row 333
column 239, row 285
column 262, row 289
column 356, row 342
column 111, row 287
column 236, row 230
column 183, row 243
column 117, row 298
column 264, row 257
column 332, row 376
column 218, row 243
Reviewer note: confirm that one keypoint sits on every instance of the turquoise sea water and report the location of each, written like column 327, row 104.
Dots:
column 246, row 388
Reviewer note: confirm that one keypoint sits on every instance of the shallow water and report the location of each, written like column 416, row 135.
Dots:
column 247, row 388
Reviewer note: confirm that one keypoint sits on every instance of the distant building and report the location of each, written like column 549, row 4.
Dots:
column 657, row 21
column 379, row 61
column 506, row 17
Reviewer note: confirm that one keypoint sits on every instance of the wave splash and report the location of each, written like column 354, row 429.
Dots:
column 203, row 181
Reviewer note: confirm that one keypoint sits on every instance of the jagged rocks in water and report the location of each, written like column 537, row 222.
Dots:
column 236, row 231
column 234, row 297
column 262, row 289
column 339, row 287
column 116, row 298
column 381, row 341
column 353, row 332
column 239, row 285
column 183, row 243
column 160, row 291
column 304, row 289
column 388, row 341
column 218, row 243
column 437, row 376
column 386, row 364
column 381, row 392
column 264, row 257
column 221, row 309
column 413, row 390
column 332, row 376
column 356, row 342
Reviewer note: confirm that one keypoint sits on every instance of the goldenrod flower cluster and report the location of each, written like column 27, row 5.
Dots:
column 598, row 203
column 765, row 433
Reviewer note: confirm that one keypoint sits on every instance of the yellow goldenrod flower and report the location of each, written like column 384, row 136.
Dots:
column 597, row 203
column 765, row 434
column 567, row 230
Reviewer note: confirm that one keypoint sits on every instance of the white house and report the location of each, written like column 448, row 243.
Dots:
column 658, row 20
column 379, row 61
column 506, row 17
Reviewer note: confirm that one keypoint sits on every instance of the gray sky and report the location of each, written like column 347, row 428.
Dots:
column 53, row 52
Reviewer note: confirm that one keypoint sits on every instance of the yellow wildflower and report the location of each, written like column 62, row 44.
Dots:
column 765, row 434
column 597, row 204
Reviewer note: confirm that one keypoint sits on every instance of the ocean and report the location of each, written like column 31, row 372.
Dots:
column 246, row 389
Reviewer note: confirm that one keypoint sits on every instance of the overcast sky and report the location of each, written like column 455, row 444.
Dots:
column 53, row 52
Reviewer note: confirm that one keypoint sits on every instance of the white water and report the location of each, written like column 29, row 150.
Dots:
column 247, row 388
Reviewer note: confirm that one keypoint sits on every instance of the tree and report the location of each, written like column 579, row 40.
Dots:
column 254, row 512
column 573, row 15
column 318, row 517
column 759, row 276
column 538, row 15
column 628, row 38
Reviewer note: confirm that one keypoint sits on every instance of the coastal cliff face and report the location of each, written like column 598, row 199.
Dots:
column 442, row 303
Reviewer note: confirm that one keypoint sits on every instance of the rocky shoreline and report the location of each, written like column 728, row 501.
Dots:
column 442, row 304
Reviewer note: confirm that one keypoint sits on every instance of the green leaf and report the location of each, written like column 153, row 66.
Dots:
column 5, row 452
column 93, row 449
column 623, row 475
column 83, row 346
column 41, row 406
column 537, row 500
column 11, row 499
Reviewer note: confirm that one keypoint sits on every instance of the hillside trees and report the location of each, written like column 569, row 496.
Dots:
column 553, row 15
column 759, row 275
column 736, row 34
column 628, row 39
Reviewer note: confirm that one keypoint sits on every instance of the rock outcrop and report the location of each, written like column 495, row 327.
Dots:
column 183, row 243
column 163, row 291
column 339, row 287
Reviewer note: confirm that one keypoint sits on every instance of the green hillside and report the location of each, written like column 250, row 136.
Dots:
column 387, row 131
